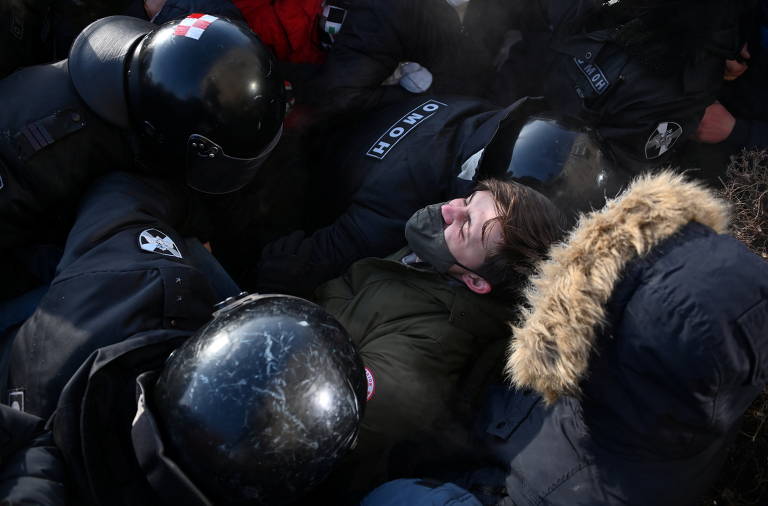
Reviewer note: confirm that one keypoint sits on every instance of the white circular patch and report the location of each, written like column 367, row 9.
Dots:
column 662, row 138
column 371, row 384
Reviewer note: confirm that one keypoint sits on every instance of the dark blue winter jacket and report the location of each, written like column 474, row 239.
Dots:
column 647, row 338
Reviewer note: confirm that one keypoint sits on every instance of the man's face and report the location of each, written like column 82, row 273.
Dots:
column 464, row 220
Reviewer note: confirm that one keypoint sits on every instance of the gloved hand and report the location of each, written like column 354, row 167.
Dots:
column 285, row 266
column 415, row 78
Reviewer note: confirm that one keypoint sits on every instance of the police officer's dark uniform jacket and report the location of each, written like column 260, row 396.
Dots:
column 646, row 339
column 422, row 151
column 125, row 271
column 52, row 145
column 96, row 411
column 587, row 75
column 418, row 333
column 376, row 36
column 31, row 468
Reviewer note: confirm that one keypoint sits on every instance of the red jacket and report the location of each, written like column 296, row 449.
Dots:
column 289, row 27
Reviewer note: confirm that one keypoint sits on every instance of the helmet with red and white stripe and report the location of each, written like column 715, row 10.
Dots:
column 202, row 92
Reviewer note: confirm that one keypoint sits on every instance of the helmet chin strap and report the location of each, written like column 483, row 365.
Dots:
column 209, row 169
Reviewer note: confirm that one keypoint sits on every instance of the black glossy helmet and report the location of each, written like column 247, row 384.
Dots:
column 259, row 405
column 559, row 158
column 203, row 93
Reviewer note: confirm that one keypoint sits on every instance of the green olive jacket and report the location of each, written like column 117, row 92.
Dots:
column 419, row 333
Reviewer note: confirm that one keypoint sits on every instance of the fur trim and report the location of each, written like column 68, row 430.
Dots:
column 550, row 349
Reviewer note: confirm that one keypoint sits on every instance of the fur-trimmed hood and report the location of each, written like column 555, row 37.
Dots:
column 551, row 348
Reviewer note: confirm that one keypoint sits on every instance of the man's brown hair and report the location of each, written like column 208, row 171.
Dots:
column 530, row 223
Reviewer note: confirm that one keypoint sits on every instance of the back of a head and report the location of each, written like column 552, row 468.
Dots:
column 202, row 93
column 259, row 405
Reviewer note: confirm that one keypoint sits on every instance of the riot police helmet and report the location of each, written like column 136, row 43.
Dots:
column 258, row 406
column 202, row 93
column 562, row 159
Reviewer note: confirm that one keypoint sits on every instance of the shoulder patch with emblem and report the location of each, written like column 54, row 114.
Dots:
column 662, row 139
column 155, row 241
column 371, row 384
column 403, row 127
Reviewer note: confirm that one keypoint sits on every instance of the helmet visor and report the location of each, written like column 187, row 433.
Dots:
column 541, row 151
column 210, row 170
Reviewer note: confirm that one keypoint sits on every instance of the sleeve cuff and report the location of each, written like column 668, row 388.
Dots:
column 739, row 135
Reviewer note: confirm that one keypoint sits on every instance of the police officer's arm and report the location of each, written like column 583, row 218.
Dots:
column 372, row 225
column 377, row 36
column 126, row 268
column 719, row 125
column 748, row 133
column 296, row 264
column 121, row 200
column 359, row 233
column 366, row 51
column 31, row 467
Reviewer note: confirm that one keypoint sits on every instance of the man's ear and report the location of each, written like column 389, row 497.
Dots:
column 476, row 283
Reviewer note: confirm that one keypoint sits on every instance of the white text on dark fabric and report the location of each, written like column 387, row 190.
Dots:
column 403, row 127
column 594, row 75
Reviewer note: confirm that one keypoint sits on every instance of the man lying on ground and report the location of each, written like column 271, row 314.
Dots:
column 643, row 346
column 422, row 316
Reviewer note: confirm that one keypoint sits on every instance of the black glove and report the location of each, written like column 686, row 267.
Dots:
column 285, row 267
